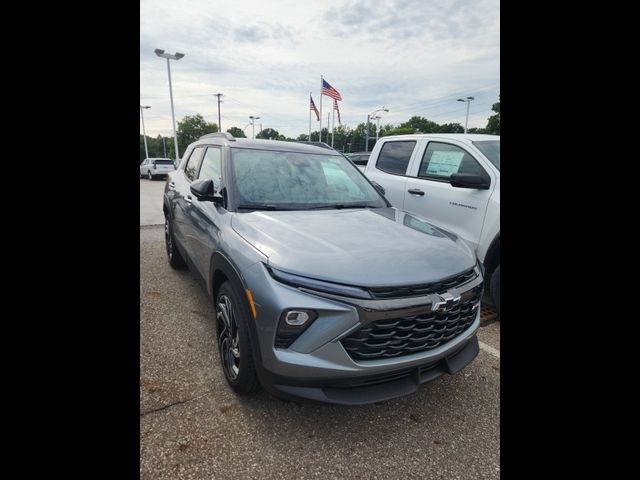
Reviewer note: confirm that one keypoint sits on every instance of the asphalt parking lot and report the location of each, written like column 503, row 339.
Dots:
column 151, row 202
column 193, row 426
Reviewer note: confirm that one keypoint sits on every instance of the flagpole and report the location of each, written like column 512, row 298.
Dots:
column 320, row 130
column 310, row 116
column 333, row 124
column 328, row 122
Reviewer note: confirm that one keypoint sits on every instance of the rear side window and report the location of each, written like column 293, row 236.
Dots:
column 394, row 157
column 212, row 166
column 191, row 168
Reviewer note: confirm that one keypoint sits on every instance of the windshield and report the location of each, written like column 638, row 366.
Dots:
column 163, row 162
column 288, row 180
column 491, row 150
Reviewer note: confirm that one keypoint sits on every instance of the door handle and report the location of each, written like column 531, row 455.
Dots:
column 415, row 191
column 188, row 199
column 172, row 185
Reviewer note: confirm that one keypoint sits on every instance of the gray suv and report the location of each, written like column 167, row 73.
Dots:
column 322, row 290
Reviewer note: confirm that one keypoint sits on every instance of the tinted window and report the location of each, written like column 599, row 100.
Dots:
column 299, row 180
column 394, row 157
column 191, row 167
column 212, row 166
column 441, row 160
column 163, row 162
column 491, row 150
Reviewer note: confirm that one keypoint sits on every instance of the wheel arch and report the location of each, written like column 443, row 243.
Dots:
column 492, row 259
column 221, row 269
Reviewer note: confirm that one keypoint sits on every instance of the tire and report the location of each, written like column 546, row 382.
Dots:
column 173, row 254
column 495, row 288
column 234, row 346
column 149, row 176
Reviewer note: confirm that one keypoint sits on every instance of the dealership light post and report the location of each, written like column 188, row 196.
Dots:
column 468, row 102
column 144, row 132
column 253, row 124
column 219, row 120
column 376, row 117
column 168, row 56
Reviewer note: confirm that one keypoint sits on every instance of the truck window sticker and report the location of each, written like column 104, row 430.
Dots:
column 444, row 163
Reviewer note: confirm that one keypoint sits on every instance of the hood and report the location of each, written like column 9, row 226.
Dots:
column 364, row 247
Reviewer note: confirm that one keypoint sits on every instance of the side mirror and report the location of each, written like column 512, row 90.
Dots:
column 205, row 191
column 470, row 180
column 378, row 187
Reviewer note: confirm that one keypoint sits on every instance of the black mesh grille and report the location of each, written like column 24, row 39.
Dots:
column 424, row 289
column 407, row 335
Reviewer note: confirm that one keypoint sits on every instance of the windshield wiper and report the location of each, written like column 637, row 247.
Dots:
column 261, row 207
column 340, row 206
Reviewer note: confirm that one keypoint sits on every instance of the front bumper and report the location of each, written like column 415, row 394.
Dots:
column 376, row 388
column 317, row 366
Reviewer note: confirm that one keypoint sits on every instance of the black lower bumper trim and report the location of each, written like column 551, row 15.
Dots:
column 378, row 388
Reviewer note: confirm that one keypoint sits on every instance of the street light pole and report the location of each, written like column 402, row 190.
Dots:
column 374, row 116
column 377, row 117
column 468, row 101
column 367, row 147
column 219, row 121
column 253, row 125
column 144, row 132
column 176, row 56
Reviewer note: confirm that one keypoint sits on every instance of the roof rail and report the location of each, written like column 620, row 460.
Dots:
column 226, row 135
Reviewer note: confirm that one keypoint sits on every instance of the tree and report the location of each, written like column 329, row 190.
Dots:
column 421, row 125
column 191, row 128
column 236, row 132
column 341, row 137
column 493, row 124
column 397, row 131
column 268, row 133
column 161, row 146
column 451, row 128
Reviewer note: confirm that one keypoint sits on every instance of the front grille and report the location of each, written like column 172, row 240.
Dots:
column 406, row 335
column 424, row 289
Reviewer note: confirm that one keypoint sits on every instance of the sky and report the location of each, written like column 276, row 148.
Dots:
column 413, row 57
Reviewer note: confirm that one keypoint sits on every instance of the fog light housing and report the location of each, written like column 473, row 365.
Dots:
column 292, row 324
column 296, row 318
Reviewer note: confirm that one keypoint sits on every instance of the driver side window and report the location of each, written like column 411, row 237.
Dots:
column 211, row 166
column 191, row 168
column 441, row 160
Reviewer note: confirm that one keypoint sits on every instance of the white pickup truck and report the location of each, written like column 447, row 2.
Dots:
column 453, row 180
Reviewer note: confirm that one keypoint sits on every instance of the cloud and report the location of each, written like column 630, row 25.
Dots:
column 265, row 57
column 261, row 32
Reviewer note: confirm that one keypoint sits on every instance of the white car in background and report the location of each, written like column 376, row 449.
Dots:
column 453, row 180
column 153, row 168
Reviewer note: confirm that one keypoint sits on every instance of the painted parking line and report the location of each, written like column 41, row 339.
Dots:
column 490, row 350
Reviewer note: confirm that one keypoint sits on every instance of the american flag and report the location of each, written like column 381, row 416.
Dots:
column 313, row 108
column 329, row 91
column 335, row 107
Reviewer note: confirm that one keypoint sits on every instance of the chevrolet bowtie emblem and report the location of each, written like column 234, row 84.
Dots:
column 446, row 302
